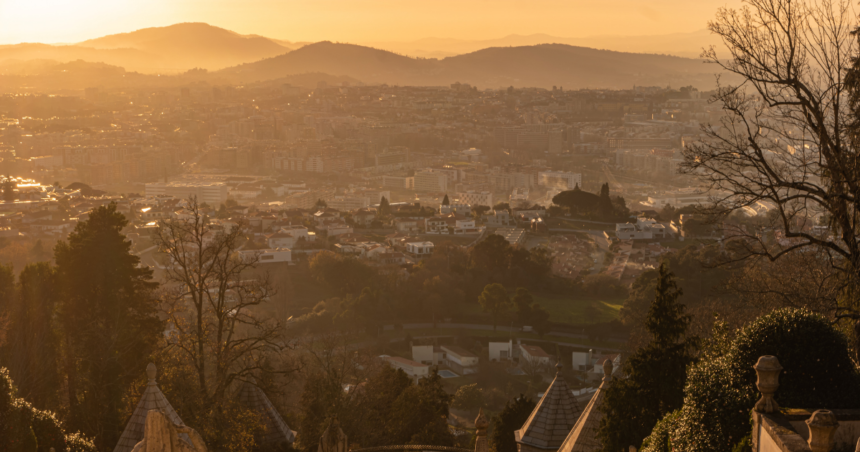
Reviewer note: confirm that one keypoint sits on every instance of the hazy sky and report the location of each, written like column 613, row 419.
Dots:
column 355, row 20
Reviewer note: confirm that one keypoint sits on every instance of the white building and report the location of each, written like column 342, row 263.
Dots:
column 461, row 360
column 501, row 351
column 476, row 198
column 534, row 354
column 213, row 194
column 268, row 256
column 419, row 249
column 458, row 208
column 559, row 179
column 430, row 181
column 427, row 354
column 412, row 368
column 280, row 239
column 347, row 203
column 644, row 229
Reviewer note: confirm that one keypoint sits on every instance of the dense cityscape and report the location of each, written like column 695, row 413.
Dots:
column 226, row 242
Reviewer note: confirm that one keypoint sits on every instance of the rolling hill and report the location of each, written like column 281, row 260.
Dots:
column 688, row 45
column 542, row 65
column 189, row 45
column 173, row 49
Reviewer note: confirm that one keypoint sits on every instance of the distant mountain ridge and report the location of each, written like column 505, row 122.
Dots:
column 543, row 65
column 172, row 49
column 688, row 45
column 234, row 58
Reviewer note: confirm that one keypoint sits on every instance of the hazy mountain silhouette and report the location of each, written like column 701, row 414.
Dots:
column 540, row 65
column 188, row 45
column 57, row 77
column 687, row 45
column 128, row 58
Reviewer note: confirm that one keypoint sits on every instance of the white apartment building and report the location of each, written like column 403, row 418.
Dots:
column 430, row 181
column 559, row 179
column 476, row 198
column 213, row 194
column 314, row 164
column 347, row 203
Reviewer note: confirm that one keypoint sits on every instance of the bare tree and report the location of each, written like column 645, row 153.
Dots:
column 217, row 303
column 785, row 140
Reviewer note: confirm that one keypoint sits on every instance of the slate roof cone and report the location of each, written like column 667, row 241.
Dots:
column 151, row 399
column 583, row 437
column 277, row 431
column 552, row 418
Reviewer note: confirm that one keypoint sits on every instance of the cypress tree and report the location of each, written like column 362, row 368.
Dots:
column 656, row 373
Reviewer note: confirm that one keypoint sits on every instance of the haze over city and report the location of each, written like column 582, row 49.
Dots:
column 414, row 226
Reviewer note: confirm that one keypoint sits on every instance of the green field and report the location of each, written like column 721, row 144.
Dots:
column 579, row 311
column 570, row 310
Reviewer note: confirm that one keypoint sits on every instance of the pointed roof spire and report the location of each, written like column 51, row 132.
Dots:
column 151, row 399
column 552, row 418
column 583, row 436
column 277, row 431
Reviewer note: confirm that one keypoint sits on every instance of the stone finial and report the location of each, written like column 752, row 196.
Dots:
column 481, row 423
column 558, row 366
column 333, row 438
column 607, row 369
column 150, row 373
column 822, row 428
column 767, row 370
column 631, row 449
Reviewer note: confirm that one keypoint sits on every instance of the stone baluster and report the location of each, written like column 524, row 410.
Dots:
column 767, row 370
column 822, row 429
column 481, row 425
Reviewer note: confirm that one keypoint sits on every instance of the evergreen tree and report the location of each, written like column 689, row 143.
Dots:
column 31, row 340
column 109, row 326
column 445, row 201
column 494, row 299
column 605, row 207
column 656, row 373
column 512, row 418
column 384, row 206
column 8, row 188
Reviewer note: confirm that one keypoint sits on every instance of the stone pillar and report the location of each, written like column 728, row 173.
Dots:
column 822, row 428
column 767, row 370
column 481, row 425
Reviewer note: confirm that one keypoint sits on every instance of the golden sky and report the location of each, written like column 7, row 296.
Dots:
column 55, row 21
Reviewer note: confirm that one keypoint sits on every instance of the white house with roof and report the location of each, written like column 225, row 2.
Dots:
column 419, row 249
column 427, row 354
column 534, row 354
column 280, row 239
column 269, row 256
column 461, row 360
column 501, row 351
column 413, row 369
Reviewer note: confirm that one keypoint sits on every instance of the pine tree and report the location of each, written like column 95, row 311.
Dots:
column 384, row 206
column 109, row 323
column 445, row 201
column 656, row 373
column 512, row 418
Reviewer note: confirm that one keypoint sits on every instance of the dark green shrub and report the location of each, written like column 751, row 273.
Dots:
column 49, row 432
column 660, row 438
column 26, row 429
column 720, row 392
